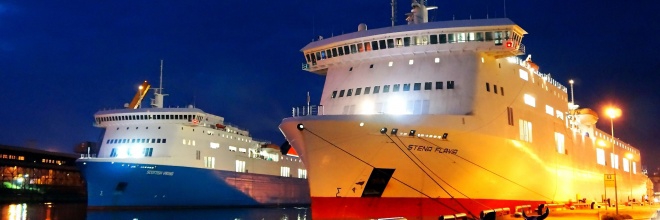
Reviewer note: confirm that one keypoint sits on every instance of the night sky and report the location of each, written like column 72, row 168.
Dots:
column 61, row 61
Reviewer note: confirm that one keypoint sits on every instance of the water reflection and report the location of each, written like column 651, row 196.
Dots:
column 74, row 211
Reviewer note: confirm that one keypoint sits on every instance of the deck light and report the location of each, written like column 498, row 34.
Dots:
column 411, row 133
column 394, row 131
column 383, row 130
column 300, row 127
column 444, row 136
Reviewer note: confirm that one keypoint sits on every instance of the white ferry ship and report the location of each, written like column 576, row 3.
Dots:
column 184, row 157
column 444, row 118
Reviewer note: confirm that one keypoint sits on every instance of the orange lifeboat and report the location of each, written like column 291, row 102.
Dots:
column 585, row 116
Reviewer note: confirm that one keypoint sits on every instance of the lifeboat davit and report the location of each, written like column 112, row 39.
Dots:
column 585, row 116
column 531, row 64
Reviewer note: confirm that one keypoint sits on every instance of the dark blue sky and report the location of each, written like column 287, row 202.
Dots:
column 61, row 61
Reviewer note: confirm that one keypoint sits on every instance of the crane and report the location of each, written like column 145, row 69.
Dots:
column 137, row 99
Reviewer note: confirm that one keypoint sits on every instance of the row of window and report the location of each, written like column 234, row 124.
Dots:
column 124, row 152
column 614, row 159
column 11, row 157
column 395, row 88
column 148, row 117
column 137, row 140
column 58, row 162
column 498, row 37
column 494, row 89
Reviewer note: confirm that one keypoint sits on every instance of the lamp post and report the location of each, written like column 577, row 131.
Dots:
column 630, row 157
column 612, row 112
column 572, row 98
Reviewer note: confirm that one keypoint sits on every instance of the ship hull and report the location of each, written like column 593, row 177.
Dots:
column 131, row 185
column 355, row 171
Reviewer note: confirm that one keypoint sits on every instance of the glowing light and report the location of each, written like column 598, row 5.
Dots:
column 367, row 107
column 361, row 124
column 135, row 152
column 530, row 100
column 122, row 152
column 601, row 143
column 396, row 105
column 613, row 112
column 391, row 63
column 437, row 60
column 410, row 62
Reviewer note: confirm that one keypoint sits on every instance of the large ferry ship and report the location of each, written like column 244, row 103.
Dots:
column 184, row 157
column 445, row 118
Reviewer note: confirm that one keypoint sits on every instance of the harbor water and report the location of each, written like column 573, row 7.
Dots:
column 75, row 211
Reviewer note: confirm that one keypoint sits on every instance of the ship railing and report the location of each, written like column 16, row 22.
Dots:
column 307, row 110
column 305, row 66
column 83, row 156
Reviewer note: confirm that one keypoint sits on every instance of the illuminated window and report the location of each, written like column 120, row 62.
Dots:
column 215, row 145
column 525, row 130
column 523, row 74
column 549, row 110
column 302, row 173
column 232, row 148
column 240, row 166
column 600, row 156
column 209, row 162
column 559, row 139
column 626, row 165
column 285, row 171
column 634, row 168
column 391, row 63
column 437, row 60
column 615, row 160
column 242, row 150
column 410, row 62
column 530, row 100
column 560, row 115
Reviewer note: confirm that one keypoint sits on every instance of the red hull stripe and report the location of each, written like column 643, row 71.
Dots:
column 362, row 208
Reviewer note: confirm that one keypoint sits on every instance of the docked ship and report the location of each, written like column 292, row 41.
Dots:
column 448, row 118
column 185, row 157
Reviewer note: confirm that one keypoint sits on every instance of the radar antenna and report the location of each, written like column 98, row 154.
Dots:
column 393, row 4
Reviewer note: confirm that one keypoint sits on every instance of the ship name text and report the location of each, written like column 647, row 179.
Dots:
column 439, row 150
column 156, row 172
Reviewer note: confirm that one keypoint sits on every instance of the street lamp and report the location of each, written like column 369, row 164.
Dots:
column 572, row 98
column 612, row 112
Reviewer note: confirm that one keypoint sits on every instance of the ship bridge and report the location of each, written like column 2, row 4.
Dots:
column 495, row 37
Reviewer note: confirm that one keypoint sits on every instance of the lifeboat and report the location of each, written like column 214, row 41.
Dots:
column 585, row 116
column 219, row 126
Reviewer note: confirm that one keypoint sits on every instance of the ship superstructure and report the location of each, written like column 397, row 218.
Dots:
column 429, row 119
column 166, row 157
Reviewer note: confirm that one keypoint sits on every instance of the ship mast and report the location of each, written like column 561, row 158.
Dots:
column 157, row 101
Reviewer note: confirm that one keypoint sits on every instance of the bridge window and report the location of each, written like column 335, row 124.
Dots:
column 374, row 45
column 399, row 42
column 428, row 85
column 479, row 36
column 390, row 43
column 354, row 48
column 443, row 38
column 350, row 92
column 489, row 36
column 357, row 91
column 438, row 85
column 346, row 50
column 367, row 90
column 376, row 89
column 341, row 93
column 434, row 39
column 406, row 41
column 450, row 84
column 367, row 46
column 340, row 50
column 360, row 47
column 334, row 52
column 417, row 86
column 406, row 87
column 382, row 44
column 386, row 88
column 498, row 38
column 450, row 38
column 322, row 55
column 396, row 87
column 308, row 58
column 334, row 94
column 329, row 53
